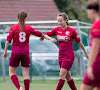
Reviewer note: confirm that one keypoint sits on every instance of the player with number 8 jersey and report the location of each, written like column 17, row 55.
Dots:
column 20, row 34
column 21, row 39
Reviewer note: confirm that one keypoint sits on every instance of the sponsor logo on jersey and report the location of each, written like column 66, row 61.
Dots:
column 63, row 38
column 59, row 32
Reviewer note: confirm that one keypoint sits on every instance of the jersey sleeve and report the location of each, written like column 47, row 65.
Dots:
column 76, row 36
column 52, row 32
column 34, row 32
column 10, row 35
column 95, row 33
column 95, row 30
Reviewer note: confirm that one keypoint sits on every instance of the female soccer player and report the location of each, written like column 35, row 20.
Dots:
column 20, row 34
column 92, row 77
column 65, row 36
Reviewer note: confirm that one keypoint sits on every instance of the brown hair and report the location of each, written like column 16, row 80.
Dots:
column 21, row 16
column 65, row 16
column 94, row 4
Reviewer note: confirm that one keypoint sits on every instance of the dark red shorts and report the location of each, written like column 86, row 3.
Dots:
column 16, row 59
column 66, row 63
column 93, row 83
column 96, row 74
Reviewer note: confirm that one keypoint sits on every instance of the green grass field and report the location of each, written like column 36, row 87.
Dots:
column 39, row 85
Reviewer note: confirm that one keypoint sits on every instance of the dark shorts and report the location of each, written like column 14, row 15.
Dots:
column 16, row 59
column 93, row 83
column 66, row 63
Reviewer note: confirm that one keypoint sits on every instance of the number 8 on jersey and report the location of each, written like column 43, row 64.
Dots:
column 22, row 37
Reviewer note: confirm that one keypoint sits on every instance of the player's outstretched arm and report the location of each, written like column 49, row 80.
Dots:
column 5, row 50
column 50, row 38
column 83, row 48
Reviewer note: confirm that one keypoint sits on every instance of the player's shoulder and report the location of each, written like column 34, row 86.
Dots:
column 13, row 27
column 98, row 22
column 71, row 29
column 96, row 25
column 28, row 27
column 57, row 28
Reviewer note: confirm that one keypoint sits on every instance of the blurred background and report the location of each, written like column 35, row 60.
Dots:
column 44, row 55
column 43, row 9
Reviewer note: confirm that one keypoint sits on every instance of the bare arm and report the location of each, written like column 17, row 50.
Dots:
column 5, row 50
column 47, row 37
column 6, row 46
column 92, row 56
column 83, row 48
column 50, row 38
column 94, row 51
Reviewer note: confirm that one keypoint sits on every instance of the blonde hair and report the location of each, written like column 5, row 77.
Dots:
column 21, row 16
column 65, row 16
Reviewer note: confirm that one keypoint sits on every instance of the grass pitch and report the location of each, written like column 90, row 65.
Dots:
column 39, row 85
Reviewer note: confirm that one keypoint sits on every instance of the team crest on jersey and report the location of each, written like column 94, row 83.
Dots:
column 67, row 32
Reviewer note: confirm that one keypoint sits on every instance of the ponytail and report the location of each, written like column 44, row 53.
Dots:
column 21, row 16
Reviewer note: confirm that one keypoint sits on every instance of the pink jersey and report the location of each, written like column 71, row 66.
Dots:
column 95, row 33
column 65, row 40
column 20, row 43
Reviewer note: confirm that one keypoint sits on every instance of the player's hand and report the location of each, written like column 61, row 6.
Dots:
column 53, row 40
column 41, row 38
column 90, row 73
column 5, row 55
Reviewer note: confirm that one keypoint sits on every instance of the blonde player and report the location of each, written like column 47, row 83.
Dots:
column 65, row 36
